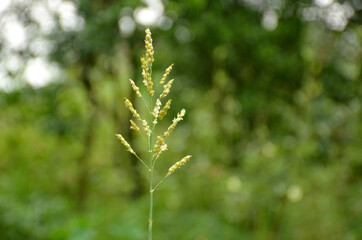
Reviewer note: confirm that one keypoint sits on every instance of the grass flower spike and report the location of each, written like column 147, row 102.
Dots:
column 146, row 128
column 131, row 109
column 166, row 89
column 155, row 146
column 134, row 126
column 174, row 123
column 167, row 72
column 163, row 112
column 178, row 165
column 135, row 88
column 156, row 111
column 157, row 149
column 125, row 143
column 147, row 63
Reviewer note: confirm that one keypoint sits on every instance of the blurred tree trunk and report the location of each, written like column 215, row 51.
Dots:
column 83, row 159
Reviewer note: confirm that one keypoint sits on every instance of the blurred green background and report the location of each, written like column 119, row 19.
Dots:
column 272, row 90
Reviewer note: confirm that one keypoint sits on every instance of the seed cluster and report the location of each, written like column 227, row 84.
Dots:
column 163, row 112
column 159, row 147
column 156, row 109
column 135, row 88
column 125, row 143
column 131, row 109
column 147, row 61
column 134, row 125
column 178, row 164
column 146, row 128
column 174, row 123
column 166, row 89
column 167, row 72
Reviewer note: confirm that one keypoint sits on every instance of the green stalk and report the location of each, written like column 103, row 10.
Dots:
column 151, row 207
column 150, row 219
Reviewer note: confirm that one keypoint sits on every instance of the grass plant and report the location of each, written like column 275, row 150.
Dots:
column 156, row 145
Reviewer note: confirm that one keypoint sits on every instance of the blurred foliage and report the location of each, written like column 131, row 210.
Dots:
column 274, row 125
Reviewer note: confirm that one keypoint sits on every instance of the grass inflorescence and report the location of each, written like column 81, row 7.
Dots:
column 156, row 145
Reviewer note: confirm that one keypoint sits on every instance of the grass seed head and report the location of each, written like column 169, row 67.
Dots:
column 134, row 126
column 131, row 109
column 147, row 62
column 156, row 111
column 145, row 73
column 167, row 72
column 125, row 143
column 135, row 88
column 174, row 123
column 167, row 88
column 146, row 128
column 163, row 112
column 157, row 148
column 178, row 164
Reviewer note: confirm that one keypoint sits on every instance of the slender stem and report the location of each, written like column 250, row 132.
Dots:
column 160, row 182
column 142, row 162
column 144, row 101
column 154, row 160
column 150, row 219
column 143, row 138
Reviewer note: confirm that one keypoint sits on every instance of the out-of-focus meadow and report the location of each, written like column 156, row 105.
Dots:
column 272, row 90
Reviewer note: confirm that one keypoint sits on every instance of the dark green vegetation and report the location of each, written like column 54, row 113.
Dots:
column 273, row 123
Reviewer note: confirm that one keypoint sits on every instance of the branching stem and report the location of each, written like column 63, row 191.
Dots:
column 160, row 182
column 142, row 162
